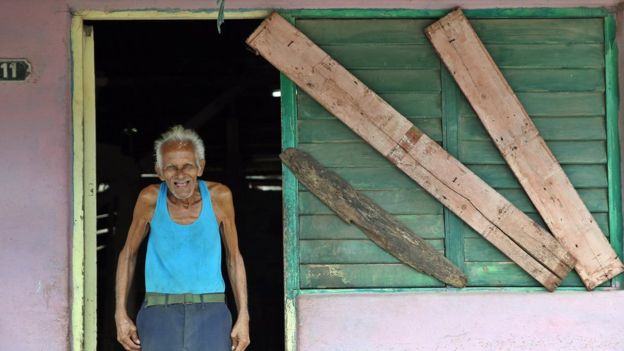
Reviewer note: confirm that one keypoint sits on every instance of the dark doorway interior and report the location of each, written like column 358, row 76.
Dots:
column 151, row 75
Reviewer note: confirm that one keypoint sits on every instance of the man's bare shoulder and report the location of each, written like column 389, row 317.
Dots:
column 219, row 193
column 221, row 198
column 218, row 190
column 149, row 195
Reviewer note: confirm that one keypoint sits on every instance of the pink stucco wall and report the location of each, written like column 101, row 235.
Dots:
column 462, row 321
column 35, row 214
column 35, row 218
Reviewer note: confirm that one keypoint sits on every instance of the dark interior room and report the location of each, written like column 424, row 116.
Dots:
column 151, row 75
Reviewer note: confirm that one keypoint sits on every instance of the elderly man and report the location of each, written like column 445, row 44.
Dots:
column 186, row 219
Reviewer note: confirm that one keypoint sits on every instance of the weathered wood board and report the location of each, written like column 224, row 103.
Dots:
column 523, row 148
column 385, row 231
column 423, row 160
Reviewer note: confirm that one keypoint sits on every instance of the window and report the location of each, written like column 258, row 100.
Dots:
column 559, row 69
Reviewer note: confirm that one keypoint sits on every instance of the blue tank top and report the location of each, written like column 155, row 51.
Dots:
column 184, row 258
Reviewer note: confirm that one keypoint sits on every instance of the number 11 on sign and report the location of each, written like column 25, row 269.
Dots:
column 14, row 69
column 7, row 67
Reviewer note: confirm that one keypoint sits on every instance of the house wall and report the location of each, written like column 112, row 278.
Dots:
column 36, row 218
column 461, row 321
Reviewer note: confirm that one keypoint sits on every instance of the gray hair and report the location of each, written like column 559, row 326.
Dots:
column 180, row 134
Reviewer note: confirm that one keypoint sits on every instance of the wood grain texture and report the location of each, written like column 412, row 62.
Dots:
column 378, row 225
column 385, row 275
column 548, row 104
column 423, row 160
column 351, row 251
column 332, row 31
column 524, row 149
column 331, row 227
column 412, row 105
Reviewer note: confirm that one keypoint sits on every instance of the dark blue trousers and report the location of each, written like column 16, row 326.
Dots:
column 185, row 327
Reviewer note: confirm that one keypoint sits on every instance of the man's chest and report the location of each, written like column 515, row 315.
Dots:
column 184, row 215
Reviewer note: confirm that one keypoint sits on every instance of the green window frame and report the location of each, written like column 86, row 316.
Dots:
column 457, row 130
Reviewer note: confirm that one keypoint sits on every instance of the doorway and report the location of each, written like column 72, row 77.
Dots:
column 150, row 75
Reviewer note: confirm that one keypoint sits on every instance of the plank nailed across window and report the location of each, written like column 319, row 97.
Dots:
column 521, row 144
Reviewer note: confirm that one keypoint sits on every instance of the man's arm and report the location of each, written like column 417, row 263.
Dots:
column 143, row 210
column 224, row 210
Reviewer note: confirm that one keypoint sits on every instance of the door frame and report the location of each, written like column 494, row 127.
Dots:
column 84, row 254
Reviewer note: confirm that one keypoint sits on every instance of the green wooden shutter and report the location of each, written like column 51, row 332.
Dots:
column 556, row 66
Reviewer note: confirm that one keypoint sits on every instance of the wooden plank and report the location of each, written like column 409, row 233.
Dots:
column 478, row 250
column 480, row 254
column 385, row 56
column 584, row 163
column 380, row 227
column 557, row 80
column 601, row 218
column 364, row 31
column 506, row 274
column 350, row 251
column 547, row 55
column 332, row 227
column 594, row 199
column 558, row 128
column 419, row 202
column 581, row 176
column 566, row 152
column 355, row 154
column 524, row 149
column 376, row 178
column 394, row 202
column 564, row 104
column 542, row 31
column 453, row 238
column 410, row 31
column 334, row 131
column 392, row 275
column 417, row 155
column 392, row 56
column 412, row 105
column 421, row 80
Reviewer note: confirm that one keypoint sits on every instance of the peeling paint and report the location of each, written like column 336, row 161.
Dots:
column 290, row 322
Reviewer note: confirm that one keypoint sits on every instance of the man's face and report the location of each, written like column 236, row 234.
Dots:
column 180, row 169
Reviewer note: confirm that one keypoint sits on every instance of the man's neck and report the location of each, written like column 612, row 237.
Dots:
column 185, row 203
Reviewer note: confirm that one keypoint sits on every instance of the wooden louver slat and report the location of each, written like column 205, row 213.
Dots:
column 523, row 148
column 423, row 160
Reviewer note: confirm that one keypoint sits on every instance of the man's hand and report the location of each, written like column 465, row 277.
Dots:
column 240, row 335
column 127, row 334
